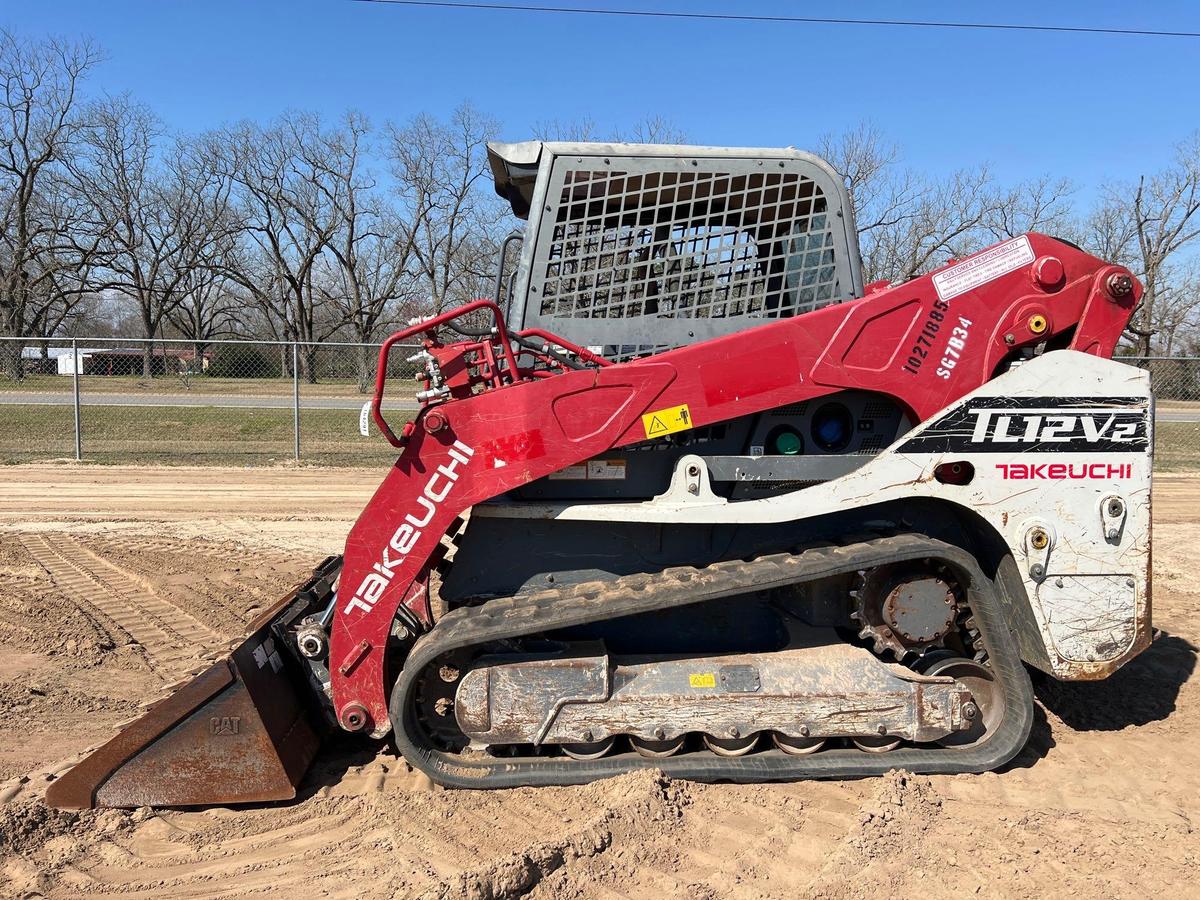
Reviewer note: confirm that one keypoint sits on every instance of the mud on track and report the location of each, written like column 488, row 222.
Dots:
column 1105, row 801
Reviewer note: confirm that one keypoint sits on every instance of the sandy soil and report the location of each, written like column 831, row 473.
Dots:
column 126, row 579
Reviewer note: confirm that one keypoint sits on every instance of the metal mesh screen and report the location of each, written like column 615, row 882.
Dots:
column 698, row 244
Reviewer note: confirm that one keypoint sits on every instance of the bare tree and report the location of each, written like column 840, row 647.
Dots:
column 945, row 221
column 1108, row 230
column 211, row 308
column 1178, row 310
column 909, row 223
column 441, row 173
column 46, row 244
column 291, row 183
column 867, row 163
column 160, row 216
column 653, row 129
column 371, row 282
column 1165, row 218
column 369, row 254
column 1039, row 204
column 574, row 130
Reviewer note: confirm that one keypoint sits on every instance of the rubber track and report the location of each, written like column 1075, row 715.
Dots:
column 519, row 616
column 170, row 637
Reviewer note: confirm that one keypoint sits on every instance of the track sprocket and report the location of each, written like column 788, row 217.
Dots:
column 905, row 609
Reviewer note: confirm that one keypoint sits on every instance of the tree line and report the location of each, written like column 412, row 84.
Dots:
column 909, row 223
column 306, row 230
column 285, row 230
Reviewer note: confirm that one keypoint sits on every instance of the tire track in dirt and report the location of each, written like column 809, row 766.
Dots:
column 225, row 585
column 768, row 840
column 168, row 635
column 225, row 854
column 226, row 552
column 744, row 842
column 397, row 841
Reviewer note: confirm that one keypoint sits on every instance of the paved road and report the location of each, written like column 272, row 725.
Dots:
column 234, row 401
column 223, row 401
column 1177, row 415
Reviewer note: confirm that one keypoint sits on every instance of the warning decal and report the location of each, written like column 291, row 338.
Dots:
column 987, row 266
column 592, row 470
column 702, row 680
column 577, row 472
column 667, row 421
column 606, row 470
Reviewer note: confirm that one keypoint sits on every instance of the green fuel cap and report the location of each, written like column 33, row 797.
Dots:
column 788, row 443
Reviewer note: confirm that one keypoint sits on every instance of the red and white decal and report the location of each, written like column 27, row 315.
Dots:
column 983, row 267
column 405, row 537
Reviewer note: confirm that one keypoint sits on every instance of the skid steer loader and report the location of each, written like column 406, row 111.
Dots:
column 698, row 498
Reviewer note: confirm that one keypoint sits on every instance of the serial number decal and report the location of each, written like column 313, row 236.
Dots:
column 1049, row 424
column 1064, row 471
column 955, row 346
column 924, row 344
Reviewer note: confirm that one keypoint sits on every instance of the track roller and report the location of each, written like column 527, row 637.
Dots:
column 730, row 747
column 590, row 749
column 797, row 746
column 881, row 744
column 658, row 749
column 989, row 699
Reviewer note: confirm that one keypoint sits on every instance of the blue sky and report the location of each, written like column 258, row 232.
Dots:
column 1091, row 108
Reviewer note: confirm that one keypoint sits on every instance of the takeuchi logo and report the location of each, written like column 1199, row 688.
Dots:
column 406, row 535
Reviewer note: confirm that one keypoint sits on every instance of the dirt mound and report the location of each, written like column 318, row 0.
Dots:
column 889, row 838
column 902, row 809
column 28, row 825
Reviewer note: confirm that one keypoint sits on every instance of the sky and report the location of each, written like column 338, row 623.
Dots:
column 1093, row 108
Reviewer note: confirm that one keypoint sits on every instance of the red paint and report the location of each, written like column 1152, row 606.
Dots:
column 1048, row 272
column 753, row 378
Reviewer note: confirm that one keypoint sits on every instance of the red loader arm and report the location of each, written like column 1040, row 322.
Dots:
column 488, row 427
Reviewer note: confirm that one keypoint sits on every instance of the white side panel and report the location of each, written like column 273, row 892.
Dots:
column 1057, row 444
column 1090, row 617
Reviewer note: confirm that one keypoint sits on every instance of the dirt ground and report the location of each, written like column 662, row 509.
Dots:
column 114, row 582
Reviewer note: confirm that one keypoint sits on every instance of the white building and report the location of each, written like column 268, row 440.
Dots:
column 62, row 357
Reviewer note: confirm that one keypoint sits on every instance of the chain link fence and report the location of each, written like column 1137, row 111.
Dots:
column 1176, row 383
column 265, row 402
column 185, row 402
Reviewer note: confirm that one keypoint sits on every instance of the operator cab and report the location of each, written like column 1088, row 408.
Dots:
column 633, row 249
column 637, row 248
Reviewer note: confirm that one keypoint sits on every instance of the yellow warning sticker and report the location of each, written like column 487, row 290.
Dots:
column 703, row 680
column 667, row 421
